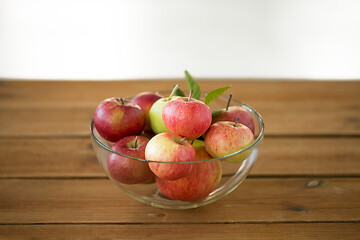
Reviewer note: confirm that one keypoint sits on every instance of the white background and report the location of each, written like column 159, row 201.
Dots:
column 136, row 39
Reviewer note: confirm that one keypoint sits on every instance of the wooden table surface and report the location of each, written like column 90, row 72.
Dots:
column 305, row 183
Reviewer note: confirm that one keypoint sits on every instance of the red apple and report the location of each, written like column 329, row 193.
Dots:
column 232, row 113
column 145, row 100
column 187, row 117
column 115, row 118
column 128, row 170
column 203, row 178
column 224, row 138
column 169, row 152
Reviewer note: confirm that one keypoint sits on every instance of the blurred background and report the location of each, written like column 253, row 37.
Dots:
column 144, row 39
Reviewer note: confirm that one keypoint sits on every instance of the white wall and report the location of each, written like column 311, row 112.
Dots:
column 114, row 39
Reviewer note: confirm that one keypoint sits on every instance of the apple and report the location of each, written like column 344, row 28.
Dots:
column 232, row 113
column 168, row 153
column 197, row 143
column 128, row 170
column 115, row 118
column 224, row 138
column 155, row 116
column 155, row 113
column 187, row 117
column 203, row 178
column 145, row 100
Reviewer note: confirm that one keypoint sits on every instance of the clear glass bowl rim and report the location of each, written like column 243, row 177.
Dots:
column 257, row 140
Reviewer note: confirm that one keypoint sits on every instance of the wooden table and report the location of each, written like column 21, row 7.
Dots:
column 305, row 184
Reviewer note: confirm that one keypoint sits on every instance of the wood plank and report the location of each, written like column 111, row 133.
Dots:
column 309, row 156
column 256, row 200
column 306, row 118
column 74, row 157
column 284, row 231
column 48, row 157
column 50, row 122
column 35, row 92
column 66, row 108
column 287, row 118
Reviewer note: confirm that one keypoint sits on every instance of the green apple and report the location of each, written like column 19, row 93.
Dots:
column 155, row 116
column 197, row 143
column 155, row 113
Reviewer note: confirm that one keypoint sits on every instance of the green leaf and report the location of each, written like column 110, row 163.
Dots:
column 214, row 113
column 193, row 86
column 179, row 93
column 211, row 96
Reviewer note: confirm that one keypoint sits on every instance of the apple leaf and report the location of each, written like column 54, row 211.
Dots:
column 193, row 86
column 211, row 96
column 214, row 113
column 179, row 93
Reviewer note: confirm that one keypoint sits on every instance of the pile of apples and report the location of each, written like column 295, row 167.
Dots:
column 174, row 136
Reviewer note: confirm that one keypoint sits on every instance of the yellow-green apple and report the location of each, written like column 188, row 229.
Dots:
column 168, row 155
column 115, row 118
column 155, row 116
column 203, row 178
column 224, row 138
column 187, row 117
column 197, row 143
column 128, row 170
column 145, row 100
column 155, row 113
column 231, row 113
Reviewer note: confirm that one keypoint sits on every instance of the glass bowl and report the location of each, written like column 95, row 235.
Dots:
column 233, row 173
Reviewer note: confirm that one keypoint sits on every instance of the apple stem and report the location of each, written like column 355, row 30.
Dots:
column 135, row 142
column 228, row 103
column 237, row 120
column 191, row 93
column 182, row 140
column 176, row 87
column 192, row 142
column 122, row 101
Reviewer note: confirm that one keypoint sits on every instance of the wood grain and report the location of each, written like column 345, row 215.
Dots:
column 284, row 231
column 74, row 157
column 256, row 200
column 285, row 118
column 45, row 122
column 48, row 157
column 73, row 92
column 66, row 108
column 309, row 156
column 305, row 184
